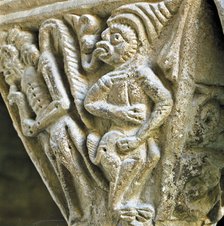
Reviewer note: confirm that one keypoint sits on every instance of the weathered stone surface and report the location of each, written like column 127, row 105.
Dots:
column 119, row 105
column 23, row 196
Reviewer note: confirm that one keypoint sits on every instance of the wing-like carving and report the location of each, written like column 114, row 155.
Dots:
column 55, row 37
column 55, row 34
column 150, row 17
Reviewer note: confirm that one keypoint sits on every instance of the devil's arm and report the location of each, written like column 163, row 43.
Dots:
column 95, row 101
column 60, row 101
column 162, row 99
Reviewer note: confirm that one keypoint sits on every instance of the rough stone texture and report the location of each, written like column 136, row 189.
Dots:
column 119, row 105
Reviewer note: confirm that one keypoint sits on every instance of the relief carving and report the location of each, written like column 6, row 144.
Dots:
column 136, row 102
column 116, row 106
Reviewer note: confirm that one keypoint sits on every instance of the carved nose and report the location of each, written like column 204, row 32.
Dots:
column 105, row 35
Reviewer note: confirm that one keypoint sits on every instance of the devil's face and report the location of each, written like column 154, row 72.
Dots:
column 118, row 45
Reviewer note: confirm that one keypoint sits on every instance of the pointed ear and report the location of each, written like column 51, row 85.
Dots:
column 73, row 21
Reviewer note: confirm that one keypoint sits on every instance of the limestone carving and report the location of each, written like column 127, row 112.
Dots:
column 127, row 152
column 115, row 111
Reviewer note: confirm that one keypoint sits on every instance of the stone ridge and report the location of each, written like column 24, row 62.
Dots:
column 31, row 13
column 9, row 6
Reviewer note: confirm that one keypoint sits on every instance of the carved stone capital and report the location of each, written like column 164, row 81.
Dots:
column 119, row 105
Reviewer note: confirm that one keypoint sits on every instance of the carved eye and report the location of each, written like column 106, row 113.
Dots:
column 116, row 38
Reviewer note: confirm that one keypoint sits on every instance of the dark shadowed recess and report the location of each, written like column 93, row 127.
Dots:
column 218, row 31
column 24, row 199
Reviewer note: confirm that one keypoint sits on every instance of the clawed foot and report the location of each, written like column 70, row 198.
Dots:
column 138, row 216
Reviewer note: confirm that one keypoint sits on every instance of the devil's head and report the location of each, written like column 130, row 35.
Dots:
column 118, row 45
column 133, row 29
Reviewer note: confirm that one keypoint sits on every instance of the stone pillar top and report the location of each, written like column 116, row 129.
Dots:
column 120, row 106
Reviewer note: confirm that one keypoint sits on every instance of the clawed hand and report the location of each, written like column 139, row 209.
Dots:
column 137, row 216
column 134, row 114
column 128, row 143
